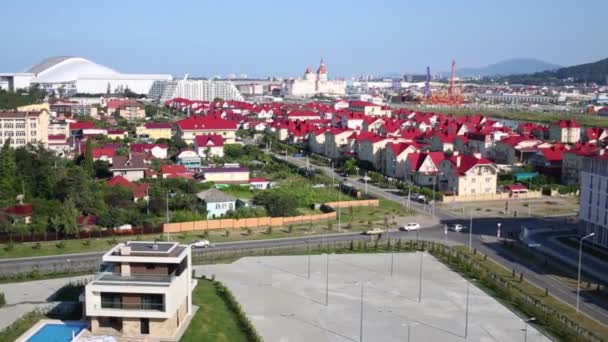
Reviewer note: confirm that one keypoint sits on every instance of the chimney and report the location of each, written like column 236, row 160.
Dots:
column 458, row 157
column 602, row 151
column 477, row 155
column 455, row 153
column 125, row 250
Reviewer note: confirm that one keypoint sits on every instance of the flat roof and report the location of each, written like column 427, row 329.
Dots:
column 148, row 246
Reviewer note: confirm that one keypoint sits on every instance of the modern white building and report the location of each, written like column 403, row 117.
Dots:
column 314, row 84
column 68, row 75
column 593, row 210
column 144, row 291
column 199, row 90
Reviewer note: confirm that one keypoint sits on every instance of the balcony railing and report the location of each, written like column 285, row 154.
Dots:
column 134, row 278
column 131, row 306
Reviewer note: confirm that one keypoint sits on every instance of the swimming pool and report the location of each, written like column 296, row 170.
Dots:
column 57, row 332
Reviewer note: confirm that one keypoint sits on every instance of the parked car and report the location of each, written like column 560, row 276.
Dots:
column 410, row 226
column 375, row 231
column 201, row 244
column 458, row 227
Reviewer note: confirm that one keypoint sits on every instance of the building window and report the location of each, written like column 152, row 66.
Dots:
column 20, row 133
column 20, row 125
column 218, row 206
column 8, row 125
column 20, row 141
column 33, row 125
column 488, row 180
column 472, row 180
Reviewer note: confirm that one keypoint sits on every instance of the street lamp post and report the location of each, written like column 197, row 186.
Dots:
column 420, row 279
column 580, row 259
column 498, row 232
column 361, row 316
column 365, row 178
column 332, row 174
column 340, row 208
column 466, row 322
column 526, row 322
column 471, row 230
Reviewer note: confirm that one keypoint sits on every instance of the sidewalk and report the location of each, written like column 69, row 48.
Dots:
column 22, row 298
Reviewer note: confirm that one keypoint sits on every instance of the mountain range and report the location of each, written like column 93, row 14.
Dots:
column 595, row 72
column 514, row 66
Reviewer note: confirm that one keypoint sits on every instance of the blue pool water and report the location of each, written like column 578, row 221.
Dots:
column 57, row 332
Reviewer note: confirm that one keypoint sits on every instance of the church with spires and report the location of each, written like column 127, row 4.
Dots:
column 315, row 84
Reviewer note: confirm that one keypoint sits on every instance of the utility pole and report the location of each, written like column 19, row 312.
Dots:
column 308, row 250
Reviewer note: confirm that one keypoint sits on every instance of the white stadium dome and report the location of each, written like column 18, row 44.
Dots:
column 63, row 69
column 70, row 74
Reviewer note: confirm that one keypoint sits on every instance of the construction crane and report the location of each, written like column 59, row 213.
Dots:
column 454, row 94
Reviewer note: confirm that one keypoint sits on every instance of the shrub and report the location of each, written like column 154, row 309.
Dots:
column 269, row 230
column 2, row 299
column 86, row 242
column 38, row 245
column 290, row 228
column 227, row 233
column 330, row 226
column 205, row 234
column 60, row 244
column 249, row 231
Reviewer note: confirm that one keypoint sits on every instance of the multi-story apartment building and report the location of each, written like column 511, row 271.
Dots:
column 144, row 290
column 593, row 210
column 23, row 128
column 201, row 90
column 467, row 175
column 189, row 128
column 565, row 131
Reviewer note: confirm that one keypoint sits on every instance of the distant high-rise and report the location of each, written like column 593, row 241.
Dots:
column 200, row 90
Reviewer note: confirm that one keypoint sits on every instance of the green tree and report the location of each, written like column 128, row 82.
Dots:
column 8, row 169
column 277, row 203
column 350, row 166
column 69, row 215
column 87, row 163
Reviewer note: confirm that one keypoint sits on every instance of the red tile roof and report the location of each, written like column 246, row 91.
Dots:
column 74, row 126
column 173, row 169
column 467, row 162
column 99, row 152
column 212, row 140
column 570, row 123
column 201, row 123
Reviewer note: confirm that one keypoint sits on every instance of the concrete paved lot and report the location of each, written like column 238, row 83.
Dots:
column 285, row 306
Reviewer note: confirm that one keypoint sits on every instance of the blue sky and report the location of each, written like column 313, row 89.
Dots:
column 283, row 37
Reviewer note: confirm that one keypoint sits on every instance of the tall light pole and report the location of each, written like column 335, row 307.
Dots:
column 339, row 208
column 471, row 230
column 580, row 259
column 333, row 185
column 365, row 178
column 361, row 316
column 526, row 322
column 327, row 279
column 466, row 319
column 420, row 279
column 167, row 206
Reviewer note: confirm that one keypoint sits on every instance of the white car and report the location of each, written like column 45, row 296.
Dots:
column 201, row 244
column 410, row 226
column 458, row 227
column 375, row 231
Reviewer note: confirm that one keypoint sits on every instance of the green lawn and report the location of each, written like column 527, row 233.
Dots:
column 214, row 321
